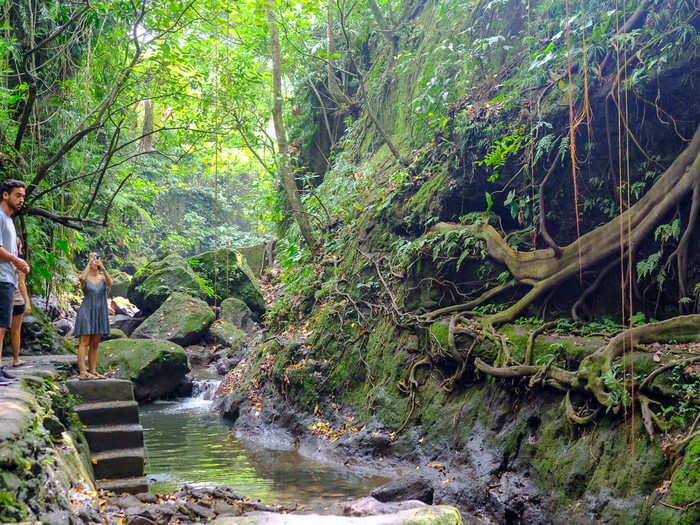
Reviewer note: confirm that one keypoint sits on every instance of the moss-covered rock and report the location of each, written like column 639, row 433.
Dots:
column 120, row 284
column 115, row 333
column 39, row 336
column 156, row 367
column 254, row 256
column 226, row 334
column 230, row 276
column 181, row 318
column 156, row 281
column 237, row 312
column 685, row 488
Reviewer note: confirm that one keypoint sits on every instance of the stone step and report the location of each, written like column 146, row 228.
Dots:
column 135, row 485
column 93, row 390
column 116, row 464
column 108, row 413
column 109, row 437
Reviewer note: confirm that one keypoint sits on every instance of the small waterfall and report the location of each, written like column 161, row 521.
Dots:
column 203, row 391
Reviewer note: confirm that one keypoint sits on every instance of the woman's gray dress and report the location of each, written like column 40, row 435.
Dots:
column 93, row 317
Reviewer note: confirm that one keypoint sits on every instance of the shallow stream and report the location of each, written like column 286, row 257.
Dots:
column 187, row 443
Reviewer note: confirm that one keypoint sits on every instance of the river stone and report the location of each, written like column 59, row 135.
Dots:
column 409, row 487
column 234, row 277
column 226, row 334
column 159, row 279
column 126, row 323
column 237, row 312
column 156, row 367
column 115, row 333
column 425, row 515
column 181, row 319
column 40, row 336
column 63, row 326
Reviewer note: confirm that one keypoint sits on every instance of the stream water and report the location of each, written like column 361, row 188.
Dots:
column 187, row 443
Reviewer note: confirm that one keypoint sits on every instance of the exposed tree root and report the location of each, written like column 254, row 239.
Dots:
column 590, row 376
column 544, row 270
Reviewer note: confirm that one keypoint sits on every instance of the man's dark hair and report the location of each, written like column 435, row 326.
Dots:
column 10, row 184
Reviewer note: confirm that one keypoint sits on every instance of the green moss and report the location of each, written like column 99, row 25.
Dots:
column 427, row 200
column 181, row 318
column 685, row 484
column 439, row 332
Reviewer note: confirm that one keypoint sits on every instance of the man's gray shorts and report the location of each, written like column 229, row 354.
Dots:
column 7, row 296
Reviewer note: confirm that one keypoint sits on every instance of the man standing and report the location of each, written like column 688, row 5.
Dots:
column 13, row 192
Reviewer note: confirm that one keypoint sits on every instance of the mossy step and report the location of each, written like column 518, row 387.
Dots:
column 110, row 437
column 108, row 413
column 118, row 464
column 92, row 390
column 134, row 485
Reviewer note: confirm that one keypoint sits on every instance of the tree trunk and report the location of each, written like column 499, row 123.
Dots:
column 147, row 133
column 286, row 175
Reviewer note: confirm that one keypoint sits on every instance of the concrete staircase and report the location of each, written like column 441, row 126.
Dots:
column 110, row 417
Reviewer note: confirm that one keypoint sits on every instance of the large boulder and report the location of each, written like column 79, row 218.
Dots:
column 159, row 279
column 254, row 256
column 224, row 333
column 181, row 319
column 410, row 487
column 157, row 368
column 120, row 285
column 227, row 271
column 237, row 312
column 40, row 336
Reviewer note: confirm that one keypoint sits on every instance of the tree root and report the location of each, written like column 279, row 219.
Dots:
column 545, row 269
column 531, row 340
column 574, row 417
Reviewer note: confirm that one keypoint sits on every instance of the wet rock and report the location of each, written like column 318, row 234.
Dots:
column 157, row 368
column 182, row 319
column 199, row 355
column 371, row 440
column 229, row 406
column 424, row 515
column 226, row 334
column 221, row 507
column 158, row 513
column 199, row 510
column 126, row 323
column 64, row 326
column 125, row 502
column 371, row 507
column 411, row 487
column 40, row 336
column 147, row 497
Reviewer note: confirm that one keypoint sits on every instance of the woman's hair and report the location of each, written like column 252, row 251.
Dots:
column 82, row 276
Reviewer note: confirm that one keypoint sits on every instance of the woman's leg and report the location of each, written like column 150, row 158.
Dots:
column 82, row 346
column 15, row 336
column 92, row 356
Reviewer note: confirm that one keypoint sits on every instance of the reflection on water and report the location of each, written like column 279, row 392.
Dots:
column 185, row 443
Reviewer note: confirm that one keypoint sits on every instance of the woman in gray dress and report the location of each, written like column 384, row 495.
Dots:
column 93, row 318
